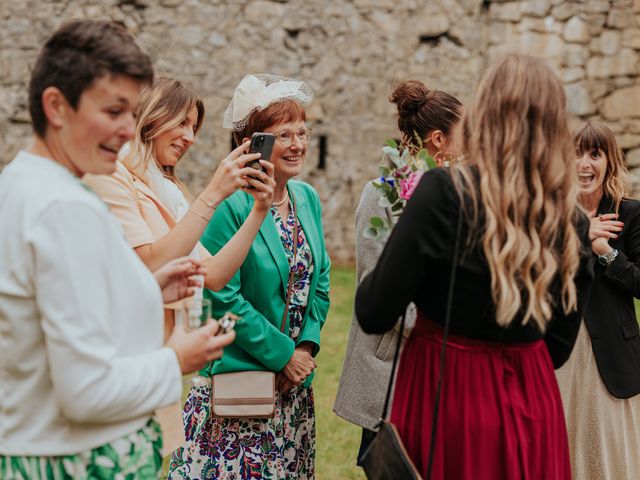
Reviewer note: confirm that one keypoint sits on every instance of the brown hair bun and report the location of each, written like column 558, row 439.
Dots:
column 421, row 111
column 409, row 97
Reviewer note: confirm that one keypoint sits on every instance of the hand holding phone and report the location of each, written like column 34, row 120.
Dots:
column 262, row 143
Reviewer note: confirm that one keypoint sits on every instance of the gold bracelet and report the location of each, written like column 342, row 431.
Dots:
column 208, row 204
column 200, row 215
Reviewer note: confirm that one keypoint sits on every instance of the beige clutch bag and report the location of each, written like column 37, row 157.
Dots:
column 246, row 394
column 250, row 394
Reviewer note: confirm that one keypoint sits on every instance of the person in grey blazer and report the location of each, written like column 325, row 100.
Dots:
column 432, row 116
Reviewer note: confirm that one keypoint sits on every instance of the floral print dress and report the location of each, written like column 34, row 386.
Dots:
column 282, row 447
column 134, row 456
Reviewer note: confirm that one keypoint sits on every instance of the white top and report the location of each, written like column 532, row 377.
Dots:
column 81, row 319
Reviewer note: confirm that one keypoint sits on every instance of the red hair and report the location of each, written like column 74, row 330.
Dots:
column 274, row 114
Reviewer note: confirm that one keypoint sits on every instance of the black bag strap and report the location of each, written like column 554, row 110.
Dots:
column 393, row 369
column 447, row 322
column 445, row 335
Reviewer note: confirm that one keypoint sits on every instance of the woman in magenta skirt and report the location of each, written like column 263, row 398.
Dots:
column 522, row 278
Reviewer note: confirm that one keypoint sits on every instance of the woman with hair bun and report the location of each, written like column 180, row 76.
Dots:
column 426, row 118
column 600, row 384
column 520, row 283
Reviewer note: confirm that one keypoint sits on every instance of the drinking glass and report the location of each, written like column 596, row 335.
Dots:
column 194, row 313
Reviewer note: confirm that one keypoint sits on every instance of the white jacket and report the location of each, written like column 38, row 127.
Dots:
column 81, row 319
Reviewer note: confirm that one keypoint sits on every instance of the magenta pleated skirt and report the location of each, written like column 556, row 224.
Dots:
column 501, row 415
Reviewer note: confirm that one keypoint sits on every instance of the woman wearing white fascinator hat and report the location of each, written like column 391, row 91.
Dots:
column 281, row 292
column 257, row 92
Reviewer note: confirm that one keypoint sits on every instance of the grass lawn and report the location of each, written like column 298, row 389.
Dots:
column 337, row 440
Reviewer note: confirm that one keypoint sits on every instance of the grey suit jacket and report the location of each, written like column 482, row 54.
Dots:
column 368, row 360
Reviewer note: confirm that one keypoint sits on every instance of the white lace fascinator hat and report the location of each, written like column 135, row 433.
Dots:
column 257, row 91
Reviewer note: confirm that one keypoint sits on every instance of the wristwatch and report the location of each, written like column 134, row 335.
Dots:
column 608, row 257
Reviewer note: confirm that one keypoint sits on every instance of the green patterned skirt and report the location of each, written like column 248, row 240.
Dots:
column 136, row 456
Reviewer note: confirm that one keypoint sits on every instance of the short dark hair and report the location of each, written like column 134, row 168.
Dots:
column 76, row 55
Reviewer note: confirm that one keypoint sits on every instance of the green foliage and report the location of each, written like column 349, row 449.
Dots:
column 370, row 232
column 376, row 222
column 428, row 159
column 397, row 207
column 393, row 196
column 337, row 440
column 397, row 172
column 378, row 227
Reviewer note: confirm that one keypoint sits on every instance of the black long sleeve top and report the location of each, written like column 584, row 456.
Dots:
column 415, row 266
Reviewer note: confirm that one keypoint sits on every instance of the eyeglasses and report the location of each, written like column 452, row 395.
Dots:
column 287, row 137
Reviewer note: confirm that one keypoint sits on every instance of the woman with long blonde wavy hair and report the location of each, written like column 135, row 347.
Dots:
column 600, row 384
column 160, row 218
column 161, row 221
column 520, row 282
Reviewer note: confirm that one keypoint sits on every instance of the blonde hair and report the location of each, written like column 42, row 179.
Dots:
column 596, row 136
column 163, row 106
column 517, row 138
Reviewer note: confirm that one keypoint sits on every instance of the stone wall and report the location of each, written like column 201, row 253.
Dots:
column 350, row 52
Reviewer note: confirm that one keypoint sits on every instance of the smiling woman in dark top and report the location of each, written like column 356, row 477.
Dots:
column 600, row 384
column 523, row 275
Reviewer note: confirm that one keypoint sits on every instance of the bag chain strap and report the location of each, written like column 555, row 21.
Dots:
column 295, row 252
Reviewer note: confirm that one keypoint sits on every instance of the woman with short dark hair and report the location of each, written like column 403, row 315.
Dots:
column 82, row 367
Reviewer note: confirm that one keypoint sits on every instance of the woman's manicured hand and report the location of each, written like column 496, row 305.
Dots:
column 230, row 175
column 601, row 229
column 604, row 226
column 200, row 346
column 178, row 278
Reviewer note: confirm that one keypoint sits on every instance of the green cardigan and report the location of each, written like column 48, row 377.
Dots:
column 257, row 291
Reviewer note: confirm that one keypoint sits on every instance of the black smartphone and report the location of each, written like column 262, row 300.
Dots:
column 261, row 143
